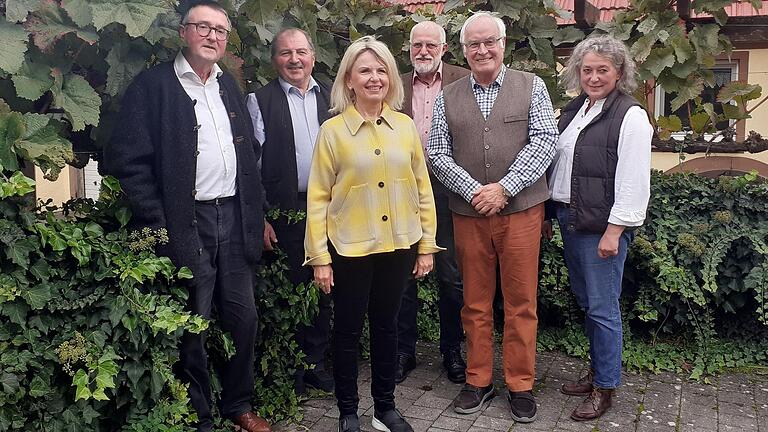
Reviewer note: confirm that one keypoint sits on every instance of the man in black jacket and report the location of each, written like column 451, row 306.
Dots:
column 287, row 114
column 186, row 157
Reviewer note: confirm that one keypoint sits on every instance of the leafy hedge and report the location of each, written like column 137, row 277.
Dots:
column 90, row 321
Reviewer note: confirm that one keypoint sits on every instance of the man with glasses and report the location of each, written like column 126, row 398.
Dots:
column 186, row 157
column 493, row 136
column 286, row 115
column 430, row 74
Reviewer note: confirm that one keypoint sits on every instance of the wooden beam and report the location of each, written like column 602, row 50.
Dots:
column 585, row 14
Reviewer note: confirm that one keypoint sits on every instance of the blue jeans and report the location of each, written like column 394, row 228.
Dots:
column 596, row 283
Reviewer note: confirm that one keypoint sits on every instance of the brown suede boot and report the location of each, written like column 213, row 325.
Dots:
column 582, row 387
column 595, row 405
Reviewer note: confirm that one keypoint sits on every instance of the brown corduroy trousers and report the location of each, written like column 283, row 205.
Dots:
column 512, row 242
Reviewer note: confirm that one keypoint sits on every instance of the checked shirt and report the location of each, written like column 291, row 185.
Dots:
column 529, row 165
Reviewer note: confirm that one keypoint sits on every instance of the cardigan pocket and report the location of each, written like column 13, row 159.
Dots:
column 353, row 220
column 406, row 208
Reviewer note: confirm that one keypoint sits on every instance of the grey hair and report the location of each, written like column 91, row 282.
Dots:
column 477, row 15
column 273, row 45
column 209, row 4
column 605, row 46
column 429, row 24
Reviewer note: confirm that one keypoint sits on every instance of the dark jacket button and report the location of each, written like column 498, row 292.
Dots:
column 377, row 151
column 384, row 218
column 381, row 184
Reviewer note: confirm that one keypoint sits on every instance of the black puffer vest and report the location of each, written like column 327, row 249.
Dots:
column 595, row 156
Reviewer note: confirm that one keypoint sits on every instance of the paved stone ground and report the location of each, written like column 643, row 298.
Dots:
column 645, row 402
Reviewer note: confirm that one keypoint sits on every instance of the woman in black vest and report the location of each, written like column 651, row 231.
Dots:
column 600, row 185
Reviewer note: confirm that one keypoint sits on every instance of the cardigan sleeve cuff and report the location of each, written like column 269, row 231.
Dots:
column 320, row 259
column 429, row 247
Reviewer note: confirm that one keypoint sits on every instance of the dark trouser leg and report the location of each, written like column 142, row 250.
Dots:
column 236, row 308
column 390, row 274
column 407, row 331
column 352, row 281
column 448, row 276
column 221, row 275
column 312, row 339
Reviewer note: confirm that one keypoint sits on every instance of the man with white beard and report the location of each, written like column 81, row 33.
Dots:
column 430, row 75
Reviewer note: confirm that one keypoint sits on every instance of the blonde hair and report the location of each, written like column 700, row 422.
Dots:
column 342, row 97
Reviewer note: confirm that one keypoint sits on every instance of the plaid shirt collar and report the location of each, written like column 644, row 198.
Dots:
column 496, row 83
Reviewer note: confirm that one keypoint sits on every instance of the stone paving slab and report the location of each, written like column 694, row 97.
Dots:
column 644, row 403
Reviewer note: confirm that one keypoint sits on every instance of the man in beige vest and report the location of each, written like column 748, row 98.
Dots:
column 493, row 136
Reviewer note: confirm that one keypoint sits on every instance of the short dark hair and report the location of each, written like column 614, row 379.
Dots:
column 207, row 3
column 273, row 46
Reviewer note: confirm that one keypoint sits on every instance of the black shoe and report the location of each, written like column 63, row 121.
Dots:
column 405, row 364
column 455, row 367
column 522, row 405
column 471, row 399
column 390, row 421
column 319, row 379
column 349, row 423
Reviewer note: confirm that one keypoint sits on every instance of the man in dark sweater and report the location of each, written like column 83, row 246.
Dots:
column 287, row 114
column 186, row 157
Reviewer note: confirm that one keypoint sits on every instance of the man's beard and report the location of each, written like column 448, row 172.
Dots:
column 426, row 68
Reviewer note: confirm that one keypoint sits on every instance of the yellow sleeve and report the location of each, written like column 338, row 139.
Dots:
column 322, row 177
column 427, row 213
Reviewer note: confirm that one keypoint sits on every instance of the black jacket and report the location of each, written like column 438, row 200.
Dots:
column 153, row 152
column 278, row 160
column 595, row 156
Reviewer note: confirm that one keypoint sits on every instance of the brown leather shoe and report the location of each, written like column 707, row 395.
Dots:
column 595, row 405
column 250, row 422
column 582, row 387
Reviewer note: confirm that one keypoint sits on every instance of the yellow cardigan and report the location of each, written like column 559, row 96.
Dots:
column 369, row 189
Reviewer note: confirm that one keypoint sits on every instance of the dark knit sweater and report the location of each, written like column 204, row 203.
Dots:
column 153, row 152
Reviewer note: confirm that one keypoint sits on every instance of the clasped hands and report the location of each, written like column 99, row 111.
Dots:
column 489, row 199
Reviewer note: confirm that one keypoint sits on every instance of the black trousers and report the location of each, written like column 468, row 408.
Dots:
column 372, row 284
column 312, row 339
column 225, row 279
column 449, row 284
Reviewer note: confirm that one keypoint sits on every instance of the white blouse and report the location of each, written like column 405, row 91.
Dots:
column 633, row 170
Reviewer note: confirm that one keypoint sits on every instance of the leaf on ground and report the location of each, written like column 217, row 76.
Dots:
column 136, row 15
column 13, row 47
column 78, row 99
column 50, row 23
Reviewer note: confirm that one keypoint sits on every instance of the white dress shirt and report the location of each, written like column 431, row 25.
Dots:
column 633, row 169
column 216, row 171
column 306, row 125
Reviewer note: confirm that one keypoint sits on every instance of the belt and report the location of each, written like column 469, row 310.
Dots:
column 217, row 201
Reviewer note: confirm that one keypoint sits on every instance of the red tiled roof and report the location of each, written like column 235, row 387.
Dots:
column 607, row 8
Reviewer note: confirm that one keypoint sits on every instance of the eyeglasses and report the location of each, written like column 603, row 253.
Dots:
column 431, row 46
column 204, row 30
column 489, row 43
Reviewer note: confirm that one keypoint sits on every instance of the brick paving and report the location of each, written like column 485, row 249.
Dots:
column 645, row 402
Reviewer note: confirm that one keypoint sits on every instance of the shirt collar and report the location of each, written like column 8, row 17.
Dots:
column 183, row 68
column 499, row 78
column 286, row 86
column 438, row 75
column 355, row 121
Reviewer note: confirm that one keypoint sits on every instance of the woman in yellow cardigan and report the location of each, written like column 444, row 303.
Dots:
column 369, row 194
